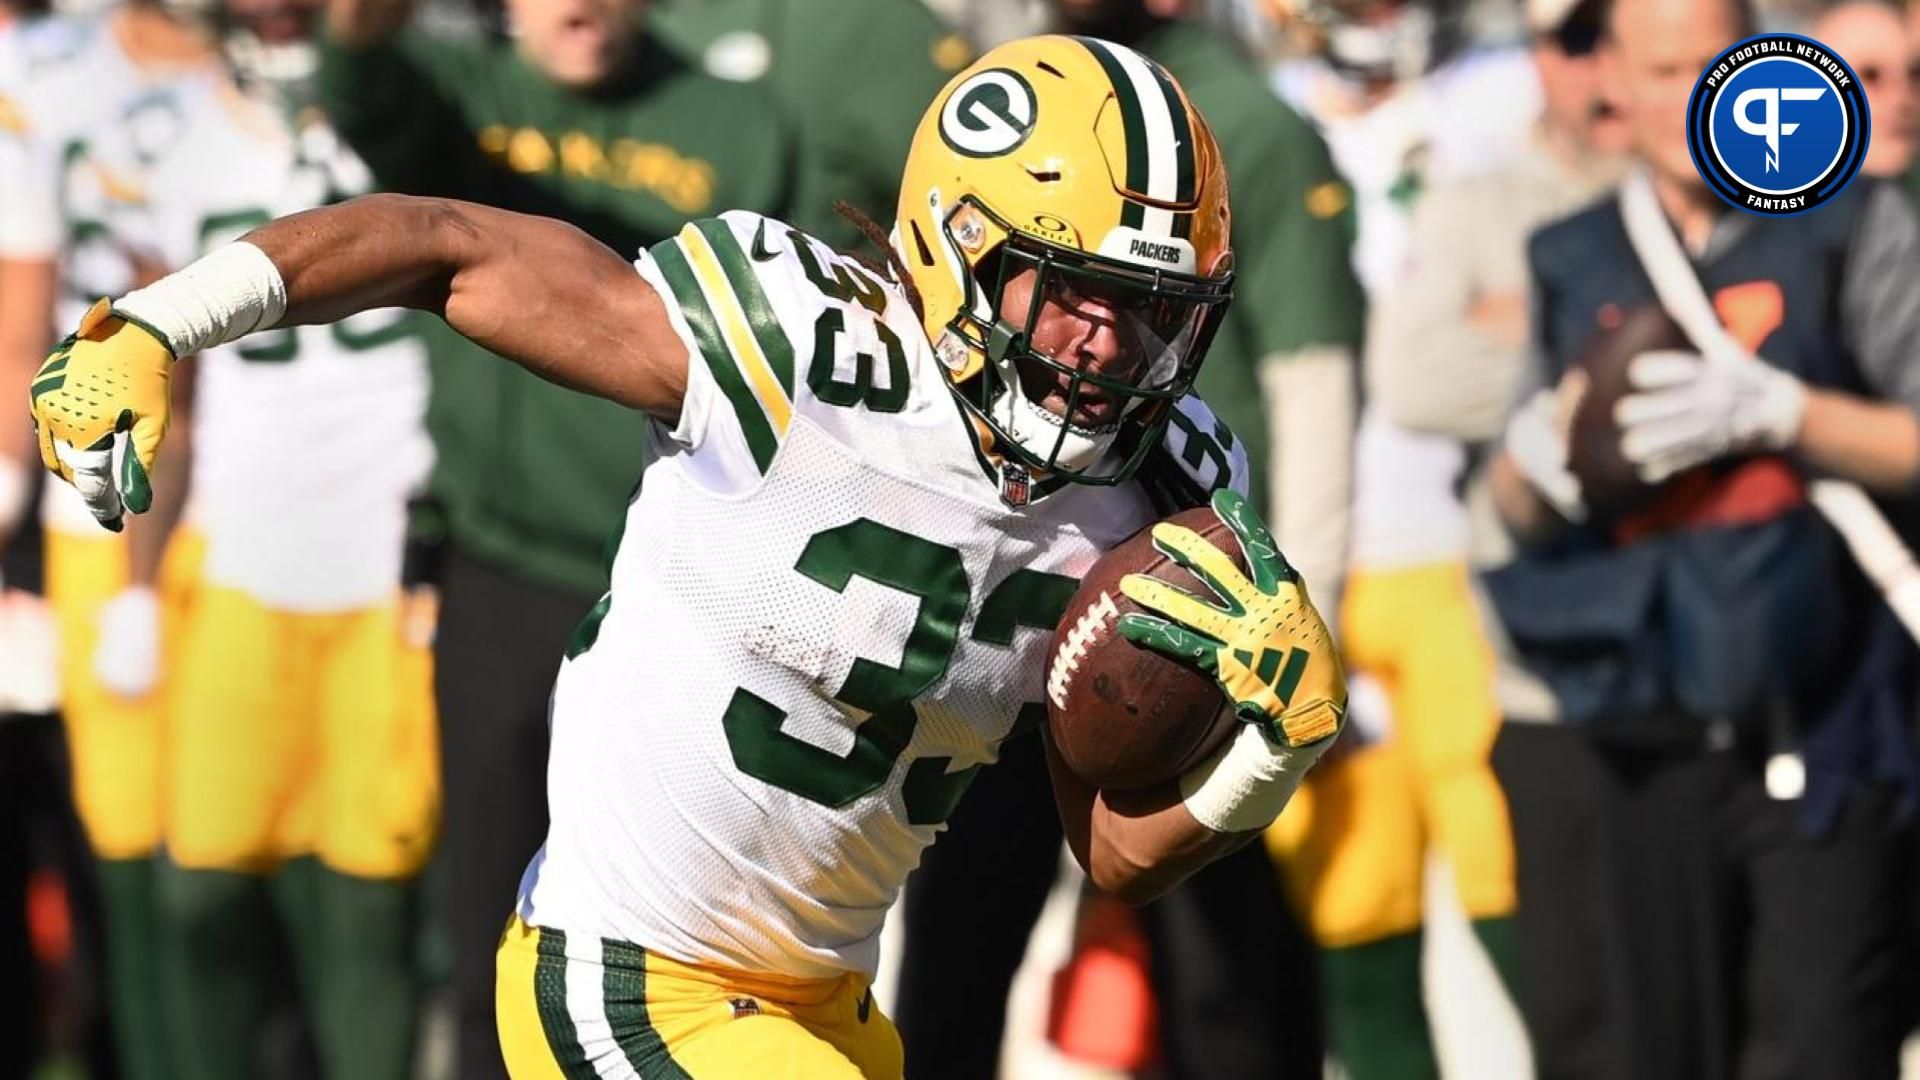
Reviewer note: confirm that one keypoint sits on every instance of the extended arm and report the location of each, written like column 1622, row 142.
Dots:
column 535, row 291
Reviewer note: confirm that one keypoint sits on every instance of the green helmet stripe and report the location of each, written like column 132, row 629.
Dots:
column 1133, row 123
column 1183, row 156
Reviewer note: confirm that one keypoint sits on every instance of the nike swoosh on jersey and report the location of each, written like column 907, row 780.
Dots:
column 760, row 252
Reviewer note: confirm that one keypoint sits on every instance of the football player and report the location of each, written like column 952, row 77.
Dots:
column 301, row 758
column 1402, row 109
column 62, row 81
column 870, row 497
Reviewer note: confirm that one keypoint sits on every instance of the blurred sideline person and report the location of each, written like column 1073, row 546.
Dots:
column 1285, row 367
column 1711, row 853
column 76, row 78
column 28, row 36
column 1446, row 347
column 853, row 120
column 710, row 897
column 1451, row 344
column 1282, row 372
column 587, row 118
column 1402, row 108
column 1911, row 20
column 300, row 758
column 1872, row 35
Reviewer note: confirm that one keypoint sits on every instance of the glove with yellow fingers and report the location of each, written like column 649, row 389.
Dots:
column 1265, row 643
column 1267, row 648
column 108, row 379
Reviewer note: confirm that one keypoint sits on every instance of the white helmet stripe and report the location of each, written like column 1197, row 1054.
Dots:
column 1162, row 168
column 1146, row 102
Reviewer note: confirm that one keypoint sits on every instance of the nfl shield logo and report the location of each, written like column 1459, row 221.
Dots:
column 1016, row 485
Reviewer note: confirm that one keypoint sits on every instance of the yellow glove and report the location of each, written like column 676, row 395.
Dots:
column 108, row 379
column 1266, row 645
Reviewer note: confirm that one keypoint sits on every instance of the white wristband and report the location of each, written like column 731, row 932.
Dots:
column 13, row 493
column 223, row 296
column 1247, row 782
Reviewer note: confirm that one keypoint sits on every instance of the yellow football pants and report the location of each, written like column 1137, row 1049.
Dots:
column 115, row 742
column 1354, row 839
column 301, row 734
column 565, row 1003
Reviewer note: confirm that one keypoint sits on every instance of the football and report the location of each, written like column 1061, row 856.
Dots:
column 1123, row 716
column 1608, row 483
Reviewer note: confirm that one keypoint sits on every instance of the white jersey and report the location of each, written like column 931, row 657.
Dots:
column 308, row 441
column 71, row 81
column 34, row 53
column 822, row 621
column 1463, row 118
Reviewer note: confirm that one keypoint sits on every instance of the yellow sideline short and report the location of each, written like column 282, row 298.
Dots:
column 115, row 742
column 1355, row 838
column 301, row 734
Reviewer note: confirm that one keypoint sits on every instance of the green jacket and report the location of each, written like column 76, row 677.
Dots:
column 854, row 76
column 1293, row 229
column 534, row 477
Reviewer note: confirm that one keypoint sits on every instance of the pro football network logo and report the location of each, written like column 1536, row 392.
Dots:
column 1778, row 124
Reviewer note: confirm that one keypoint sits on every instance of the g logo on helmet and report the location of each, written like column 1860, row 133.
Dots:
column 1777, row 124
column 988, row 115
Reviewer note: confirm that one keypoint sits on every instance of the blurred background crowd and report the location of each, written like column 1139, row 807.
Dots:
column 1643, row 760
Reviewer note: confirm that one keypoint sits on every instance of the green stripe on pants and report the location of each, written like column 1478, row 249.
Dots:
column 625, row 989
column 550, row 998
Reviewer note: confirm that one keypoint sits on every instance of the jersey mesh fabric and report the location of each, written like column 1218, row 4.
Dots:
column 74, row 82
column 1464, row 118
column 658, row 836
column 308, row 440
column 37, row 53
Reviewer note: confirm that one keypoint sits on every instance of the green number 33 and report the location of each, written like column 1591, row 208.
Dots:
column 936, row 575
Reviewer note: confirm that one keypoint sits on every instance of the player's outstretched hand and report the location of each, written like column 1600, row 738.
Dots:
column 106, row 381
column 1263, row 641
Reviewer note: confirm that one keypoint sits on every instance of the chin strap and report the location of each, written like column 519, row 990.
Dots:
column 1001, row 340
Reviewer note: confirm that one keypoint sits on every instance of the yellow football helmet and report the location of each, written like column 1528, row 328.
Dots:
column 1085, row 163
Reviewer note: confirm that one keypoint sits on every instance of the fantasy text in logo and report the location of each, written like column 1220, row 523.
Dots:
column 1777, row 124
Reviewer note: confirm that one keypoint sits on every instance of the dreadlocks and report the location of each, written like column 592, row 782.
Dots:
column 892, row 267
